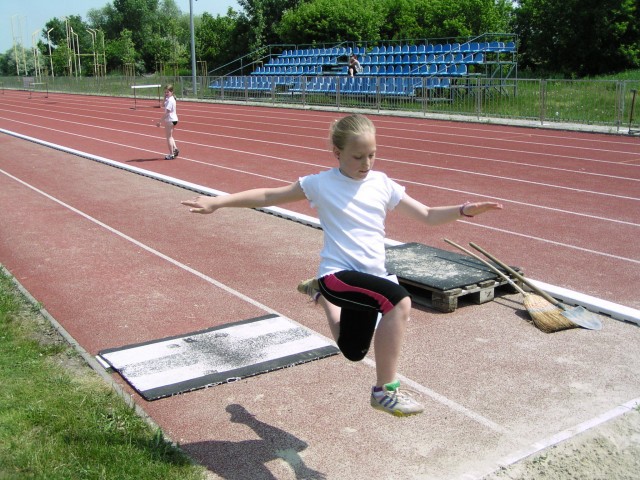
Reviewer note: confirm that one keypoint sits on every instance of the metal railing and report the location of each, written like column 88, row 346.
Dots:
column 591, row 104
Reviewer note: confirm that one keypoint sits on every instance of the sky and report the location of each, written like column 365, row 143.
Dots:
column 21, row 18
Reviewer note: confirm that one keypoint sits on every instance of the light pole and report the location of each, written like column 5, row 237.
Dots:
column 193, row 50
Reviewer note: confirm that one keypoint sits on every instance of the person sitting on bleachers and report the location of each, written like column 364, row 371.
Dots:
column 354, row 66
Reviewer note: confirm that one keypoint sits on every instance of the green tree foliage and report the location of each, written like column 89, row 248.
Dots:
column 423, row 19
column 259, row 18
column 154, row 26
column 330, row 21
column 579, row 37
column 218, row 40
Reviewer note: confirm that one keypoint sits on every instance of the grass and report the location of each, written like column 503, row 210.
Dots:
column 59, row 419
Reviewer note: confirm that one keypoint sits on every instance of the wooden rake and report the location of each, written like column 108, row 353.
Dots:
column 545, row 315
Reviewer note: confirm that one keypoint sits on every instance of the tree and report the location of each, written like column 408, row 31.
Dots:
column 332, row 21
column 319, row 21
column 579, row 37
column 218, row 41
column 260, row 18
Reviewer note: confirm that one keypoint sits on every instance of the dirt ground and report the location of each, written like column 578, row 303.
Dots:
column 610, row 451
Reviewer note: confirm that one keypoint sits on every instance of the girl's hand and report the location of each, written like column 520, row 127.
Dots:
column 472, row 209
column 201, row 204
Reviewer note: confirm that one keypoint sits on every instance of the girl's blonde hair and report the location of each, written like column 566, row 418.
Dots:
column 348, row 127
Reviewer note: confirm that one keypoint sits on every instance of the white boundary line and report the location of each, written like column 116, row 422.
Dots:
column 559, row 437
column 614, row 310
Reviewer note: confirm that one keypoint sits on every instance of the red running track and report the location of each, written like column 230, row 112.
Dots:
column 572, row 200
column 117, row 260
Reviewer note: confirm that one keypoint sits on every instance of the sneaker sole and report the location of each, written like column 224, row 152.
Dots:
column 397, row 413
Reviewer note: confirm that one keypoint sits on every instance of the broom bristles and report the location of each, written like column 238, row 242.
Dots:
column 546, row 316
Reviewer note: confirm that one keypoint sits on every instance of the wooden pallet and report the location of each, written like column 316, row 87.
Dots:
column 438, row 278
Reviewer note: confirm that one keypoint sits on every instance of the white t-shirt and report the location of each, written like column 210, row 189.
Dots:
column 352, row 214
column 170, row 108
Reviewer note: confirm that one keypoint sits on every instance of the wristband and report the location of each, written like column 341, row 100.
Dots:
column 462, row 214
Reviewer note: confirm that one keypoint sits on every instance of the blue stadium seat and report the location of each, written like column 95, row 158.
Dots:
column 459, row 70
column 509, row 47
column 422, row 49
column 422, row 70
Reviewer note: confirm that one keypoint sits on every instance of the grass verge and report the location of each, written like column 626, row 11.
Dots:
column 59, row 419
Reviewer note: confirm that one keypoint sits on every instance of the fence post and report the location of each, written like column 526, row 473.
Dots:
column 633, row 105
column 543, row 100
column 479, row 91
column 619, row 104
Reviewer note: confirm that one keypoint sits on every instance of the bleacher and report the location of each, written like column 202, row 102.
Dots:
column 387, row 70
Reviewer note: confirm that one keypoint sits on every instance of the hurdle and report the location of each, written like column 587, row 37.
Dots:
column 135, row 97
column 33, row 85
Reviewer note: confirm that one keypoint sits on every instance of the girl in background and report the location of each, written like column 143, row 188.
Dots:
column 170, row 120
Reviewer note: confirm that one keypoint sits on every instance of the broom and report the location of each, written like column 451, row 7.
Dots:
column 546, row 316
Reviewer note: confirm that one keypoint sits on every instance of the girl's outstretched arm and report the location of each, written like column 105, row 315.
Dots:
column 441, row 215
column 259, row 197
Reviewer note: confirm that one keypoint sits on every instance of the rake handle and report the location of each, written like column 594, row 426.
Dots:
column 543, row 294
column 482, row 260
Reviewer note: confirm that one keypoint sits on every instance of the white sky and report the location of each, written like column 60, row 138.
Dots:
column 21, row 18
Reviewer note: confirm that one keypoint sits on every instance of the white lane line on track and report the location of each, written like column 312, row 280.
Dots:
column 416, row 386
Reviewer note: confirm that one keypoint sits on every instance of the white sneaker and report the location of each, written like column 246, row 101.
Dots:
column 395, row 402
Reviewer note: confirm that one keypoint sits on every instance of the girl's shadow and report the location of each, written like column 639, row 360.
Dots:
column 249, row 458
